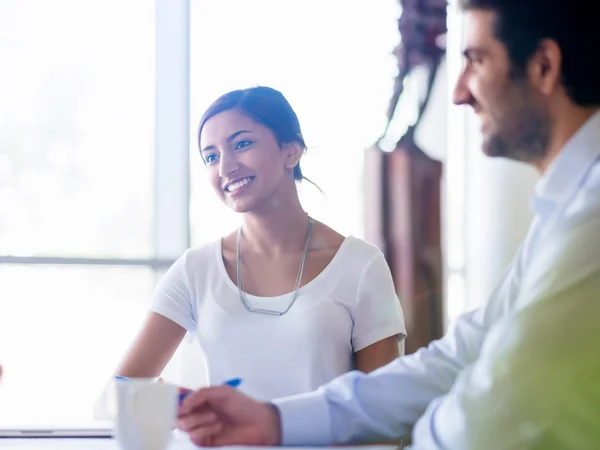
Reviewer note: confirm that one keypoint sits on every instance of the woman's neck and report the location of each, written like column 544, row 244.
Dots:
column 280, row 228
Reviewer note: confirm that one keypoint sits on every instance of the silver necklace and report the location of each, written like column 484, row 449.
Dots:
column 240, row 283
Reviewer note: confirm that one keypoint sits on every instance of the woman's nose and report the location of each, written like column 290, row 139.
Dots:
column 227, row 165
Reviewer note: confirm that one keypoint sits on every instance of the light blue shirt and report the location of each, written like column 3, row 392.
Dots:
column 521, row 372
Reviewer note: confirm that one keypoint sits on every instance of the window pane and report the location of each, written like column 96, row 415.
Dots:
column 62, row 332
column 76, row 127
column 331, row 59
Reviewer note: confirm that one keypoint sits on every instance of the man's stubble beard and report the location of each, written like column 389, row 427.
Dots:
column 523, row 132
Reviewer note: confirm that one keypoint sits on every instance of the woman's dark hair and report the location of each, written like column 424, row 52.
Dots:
column 266, row 106
column 575, row 26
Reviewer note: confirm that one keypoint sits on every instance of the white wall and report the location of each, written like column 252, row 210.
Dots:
column 431, row 134
column 497, row 216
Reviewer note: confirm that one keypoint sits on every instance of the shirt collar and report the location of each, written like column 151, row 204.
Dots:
column 566, row 173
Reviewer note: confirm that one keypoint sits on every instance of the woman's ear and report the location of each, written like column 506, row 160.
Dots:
column 293, row 154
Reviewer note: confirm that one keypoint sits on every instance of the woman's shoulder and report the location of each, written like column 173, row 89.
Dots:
column 363, row 248
column 361, row 255
column 325, row 237
column 202, row 254
column 350, row 248
column 199, row 265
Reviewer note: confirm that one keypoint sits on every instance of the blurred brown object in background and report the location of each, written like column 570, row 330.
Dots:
column 402, row 185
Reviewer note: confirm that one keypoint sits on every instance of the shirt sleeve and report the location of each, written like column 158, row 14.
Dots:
column 535, row 384
column 385, row 403
column 378, row 312
column 172, row 297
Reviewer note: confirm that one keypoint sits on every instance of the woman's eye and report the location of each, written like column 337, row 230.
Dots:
column 210, row 159
column 242, row 144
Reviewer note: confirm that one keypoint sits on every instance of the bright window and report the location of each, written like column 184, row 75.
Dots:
column 76, row 198
column 76, row 121
column 331, row 59
column 62, row 332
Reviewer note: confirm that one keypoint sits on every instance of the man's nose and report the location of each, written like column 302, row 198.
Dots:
column 461, row 94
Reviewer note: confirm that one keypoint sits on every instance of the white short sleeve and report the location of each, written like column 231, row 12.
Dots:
column 172, row 297
column 378, row 313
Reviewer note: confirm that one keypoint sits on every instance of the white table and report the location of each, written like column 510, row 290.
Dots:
column 78, row 444
column 110, row 444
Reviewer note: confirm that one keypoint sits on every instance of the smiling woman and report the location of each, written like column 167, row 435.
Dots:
column 284, row 302
column 258, row 118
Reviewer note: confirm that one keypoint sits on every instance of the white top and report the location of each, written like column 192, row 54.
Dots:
column 350, row 305
column 522, row 372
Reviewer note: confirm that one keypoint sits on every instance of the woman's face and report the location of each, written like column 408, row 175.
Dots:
column 246, row 166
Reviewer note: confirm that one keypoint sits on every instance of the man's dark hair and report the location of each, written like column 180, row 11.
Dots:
column 574, row 24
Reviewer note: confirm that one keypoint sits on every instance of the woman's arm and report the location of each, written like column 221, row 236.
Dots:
column 147, row 356
column 171, row 314
column 152, row 348
column 377, row 355
column 378, row 322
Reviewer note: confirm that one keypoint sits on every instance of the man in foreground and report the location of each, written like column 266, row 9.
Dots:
column 523, row 371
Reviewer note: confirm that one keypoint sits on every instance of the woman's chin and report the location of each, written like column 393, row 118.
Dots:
column 239, row 206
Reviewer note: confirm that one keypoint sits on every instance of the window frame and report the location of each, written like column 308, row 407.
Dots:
column 171, row 177
column 170, row 218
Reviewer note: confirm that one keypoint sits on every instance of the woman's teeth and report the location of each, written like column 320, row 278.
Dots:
column 238, row 184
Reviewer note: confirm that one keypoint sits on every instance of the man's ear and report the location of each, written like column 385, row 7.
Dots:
column 545, row 67
column 293, row 154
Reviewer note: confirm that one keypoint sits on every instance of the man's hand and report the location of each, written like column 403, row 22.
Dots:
column 222, row 415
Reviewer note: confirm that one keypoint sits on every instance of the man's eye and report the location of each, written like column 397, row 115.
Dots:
column 475, row 60
column 242, row 144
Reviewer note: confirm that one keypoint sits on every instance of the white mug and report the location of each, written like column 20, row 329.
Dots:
column 146, row 413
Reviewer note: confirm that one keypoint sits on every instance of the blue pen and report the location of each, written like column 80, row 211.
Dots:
column 234, row 382
column 119, row 377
